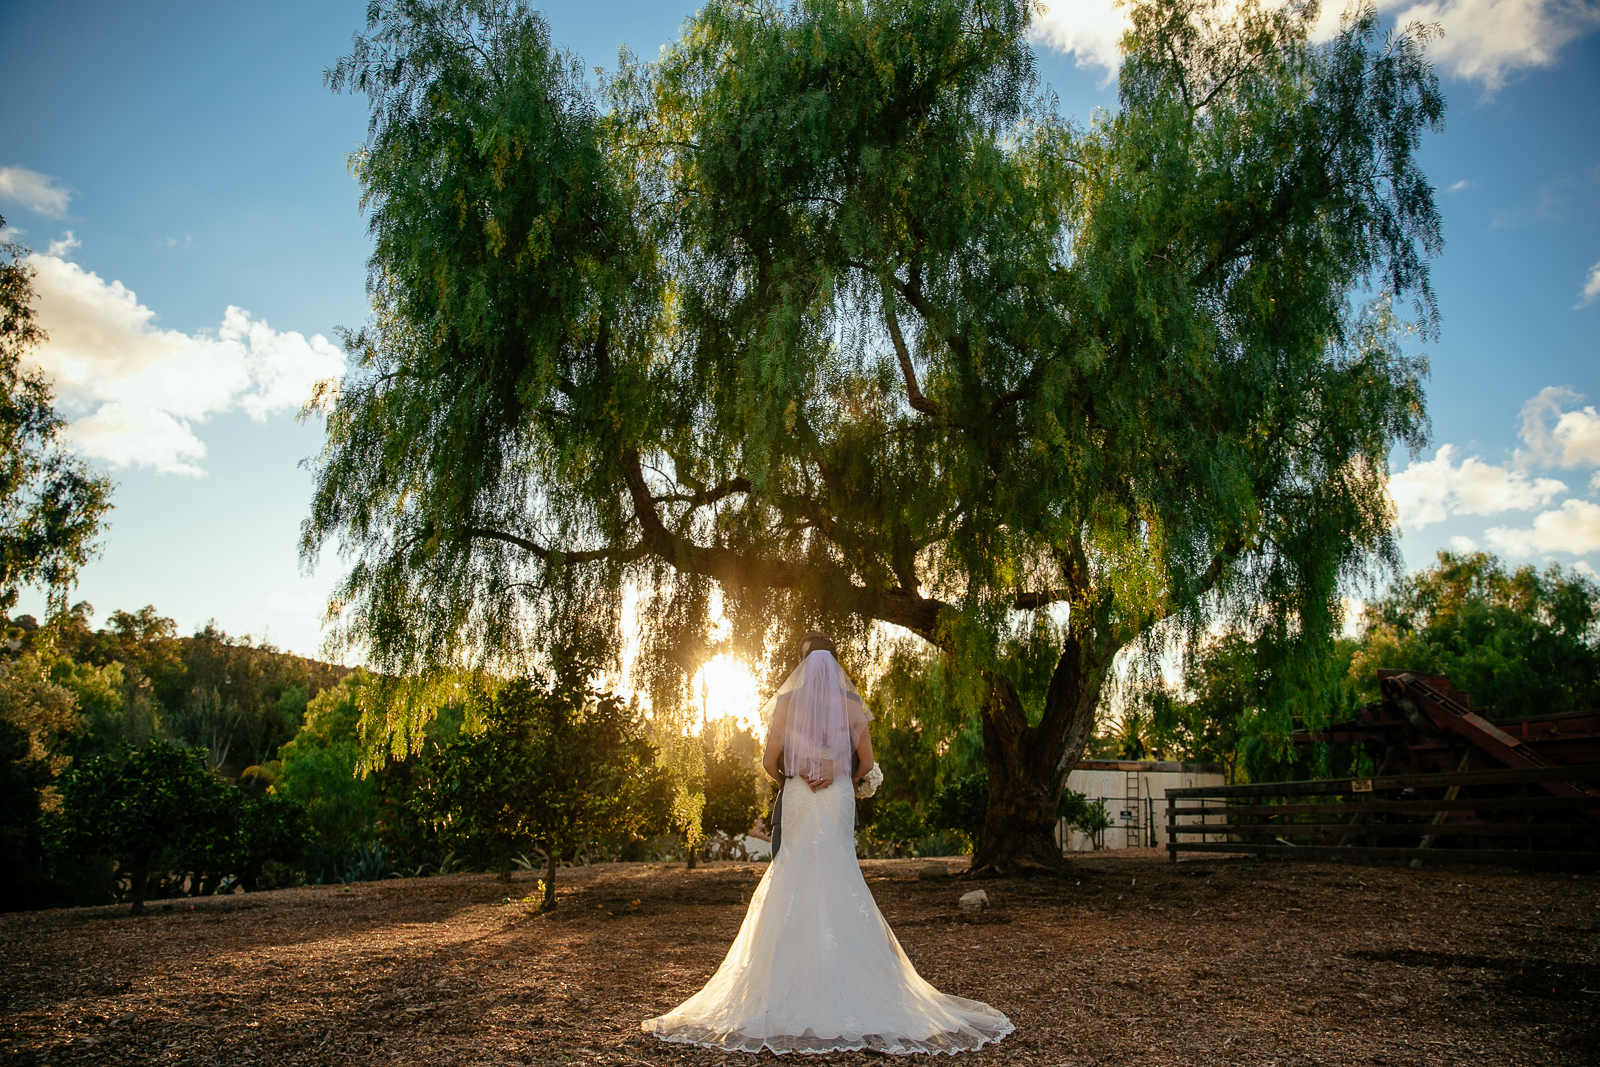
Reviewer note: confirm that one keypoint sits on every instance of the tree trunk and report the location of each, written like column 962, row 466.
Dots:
column 1028, row 765
column 549, row 902
column 139, row 880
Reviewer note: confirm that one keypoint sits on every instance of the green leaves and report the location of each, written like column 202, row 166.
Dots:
column 159, row 809
column 484, row 388
column 1521, row 642
column 553, row 766
column 826, row 318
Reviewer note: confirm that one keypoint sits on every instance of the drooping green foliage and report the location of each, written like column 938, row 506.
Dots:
column 1521, row 642
column 318, row 771
column 552, row 766
column 826, row 317
column 1234, row 708
column 921, row 727
column 52, row 503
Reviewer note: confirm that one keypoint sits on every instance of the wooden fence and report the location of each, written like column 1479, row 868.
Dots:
column 1556, row 822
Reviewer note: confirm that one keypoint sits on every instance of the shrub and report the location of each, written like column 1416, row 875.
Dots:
column 552, row 767
column 961, row 805
column 1085, row 816
column 153, row 803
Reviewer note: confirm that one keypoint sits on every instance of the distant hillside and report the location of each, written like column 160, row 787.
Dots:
column 136, row 677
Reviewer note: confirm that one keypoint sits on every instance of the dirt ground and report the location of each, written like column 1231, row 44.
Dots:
column 1132, row 961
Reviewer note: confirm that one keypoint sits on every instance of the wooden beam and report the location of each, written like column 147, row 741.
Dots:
column 1393, row 806
column 1459, row 855
column 1321, row 829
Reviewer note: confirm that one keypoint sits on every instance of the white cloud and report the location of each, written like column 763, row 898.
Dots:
column 1557, row 438
column 1463, row 184
column 134, row 391
column 34, row 191
column 1484, row 40
column 64, row 246
column 1583, row 568
column 1575, row 528
column 1591, row 288
column 1463, row 544
column 1433, row 490
column 1487, row 41
column 1089, row 29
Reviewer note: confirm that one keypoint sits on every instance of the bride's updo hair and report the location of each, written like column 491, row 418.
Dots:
column 816, row 641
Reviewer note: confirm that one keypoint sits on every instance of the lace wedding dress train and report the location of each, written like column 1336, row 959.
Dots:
column 815, row 967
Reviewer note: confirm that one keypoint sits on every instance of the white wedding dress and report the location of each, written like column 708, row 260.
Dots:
column 815, row 967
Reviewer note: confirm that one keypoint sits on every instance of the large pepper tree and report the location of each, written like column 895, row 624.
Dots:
column 826, row 317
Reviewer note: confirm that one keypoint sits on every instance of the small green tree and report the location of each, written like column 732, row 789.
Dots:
column 961, row 805
column 272, row 828
column 897, row 825
column 1085, row 815
column 549, row 767
column 153, row 803
column 733, row 797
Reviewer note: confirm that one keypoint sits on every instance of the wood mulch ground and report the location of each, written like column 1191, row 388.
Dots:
column 1133, row 961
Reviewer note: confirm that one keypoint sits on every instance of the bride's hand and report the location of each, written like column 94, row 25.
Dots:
column 818, row 783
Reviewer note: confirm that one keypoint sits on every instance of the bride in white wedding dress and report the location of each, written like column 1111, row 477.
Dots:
column 815, row 967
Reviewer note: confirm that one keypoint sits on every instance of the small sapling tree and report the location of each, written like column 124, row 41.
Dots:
column 551, row 766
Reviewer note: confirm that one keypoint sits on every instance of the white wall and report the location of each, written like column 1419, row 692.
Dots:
column 1110, row 780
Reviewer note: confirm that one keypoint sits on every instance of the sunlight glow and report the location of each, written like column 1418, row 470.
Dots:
column 724, row 687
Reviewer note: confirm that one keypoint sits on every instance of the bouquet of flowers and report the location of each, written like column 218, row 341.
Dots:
column 869, row 782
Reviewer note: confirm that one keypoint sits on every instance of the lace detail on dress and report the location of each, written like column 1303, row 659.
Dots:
column 809, row 1042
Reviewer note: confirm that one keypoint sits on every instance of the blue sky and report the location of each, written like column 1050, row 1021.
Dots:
column 179, row 170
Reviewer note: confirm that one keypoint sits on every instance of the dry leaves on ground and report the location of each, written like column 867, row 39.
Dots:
column 1131, row 961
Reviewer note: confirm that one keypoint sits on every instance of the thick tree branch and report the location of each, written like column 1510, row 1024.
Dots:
column 703, row 497
column 913, row 391
column 556, row 555
column 736, row 569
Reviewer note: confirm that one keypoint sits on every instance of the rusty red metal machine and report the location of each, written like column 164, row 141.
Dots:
column 1424, row 724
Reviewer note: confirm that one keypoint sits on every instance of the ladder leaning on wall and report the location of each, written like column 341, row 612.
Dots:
column 1133, row 826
